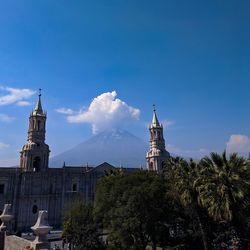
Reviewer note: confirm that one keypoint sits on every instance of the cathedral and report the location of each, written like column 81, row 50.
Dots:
column 33, row 186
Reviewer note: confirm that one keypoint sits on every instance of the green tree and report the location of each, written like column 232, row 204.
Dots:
column 79, row 228
column 223, row 187
column 216, row 187
column 132, row 208
column 181, row 176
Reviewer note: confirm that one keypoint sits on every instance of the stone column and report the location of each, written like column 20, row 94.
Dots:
column 5, row 218
column 41, row 230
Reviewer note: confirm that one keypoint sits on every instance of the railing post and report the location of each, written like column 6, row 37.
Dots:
column 5, row 218
column 41, row 230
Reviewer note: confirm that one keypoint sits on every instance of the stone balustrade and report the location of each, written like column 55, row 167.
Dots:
column 12, row 242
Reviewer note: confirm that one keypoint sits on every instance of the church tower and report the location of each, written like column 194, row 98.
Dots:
column 157, row 152
column 35, row 153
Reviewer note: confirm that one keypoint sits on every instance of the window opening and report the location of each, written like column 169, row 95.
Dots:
column 1, row 188
column 74, row 187
column 36, row 164
column 34, row 209
column 38, row 125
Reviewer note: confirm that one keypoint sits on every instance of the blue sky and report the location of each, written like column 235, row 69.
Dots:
column 190, row 58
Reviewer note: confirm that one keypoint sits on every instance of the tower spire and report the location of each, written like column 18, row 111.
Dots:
column 155, row 122
column 38, row 109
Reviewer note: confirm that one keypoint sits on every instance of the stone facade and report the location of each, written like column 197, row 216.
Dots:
column 49, row 190
column 34, row 186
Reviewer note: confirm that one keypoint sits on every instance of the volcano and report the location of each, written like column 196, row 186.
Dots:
column 117, row 147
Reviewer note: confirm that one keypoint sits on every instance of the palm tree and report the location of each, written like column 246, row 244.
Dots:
column 182, row 176
column 223, row 185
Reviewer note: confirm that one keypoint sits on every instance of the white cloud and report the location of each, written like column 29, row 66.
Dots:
column 190, row 153
column 239, row 144
column 23, row 103
column 6, row 118
column 104, row 112
column 3, row 145
column 15, row 95
column 65, row 111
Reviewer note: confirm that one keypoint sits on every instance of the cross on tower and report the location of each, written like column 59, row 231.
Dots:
column 154, row 108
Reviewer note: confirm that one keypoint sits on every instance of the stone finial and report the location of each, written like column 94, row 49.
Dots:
column 5, row 217
column 41, row 228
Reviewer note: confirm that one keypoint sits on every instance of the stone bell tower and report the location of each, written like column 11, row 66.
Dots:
column 157, row 152
column 35, row 153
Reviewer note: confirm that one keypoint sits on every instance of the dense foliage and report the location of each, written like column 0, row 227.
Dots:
column 190, row 205
column 133, row 209
column 79, row 228
column 216, row 191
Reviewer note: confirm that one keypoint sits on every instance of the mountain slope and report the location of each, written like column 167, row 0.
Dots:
column 117, row 147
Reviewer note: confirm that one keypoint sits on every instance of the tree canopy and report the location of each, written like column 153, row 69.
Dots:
column 190, row 205
column 133, row 208
column 79, row 228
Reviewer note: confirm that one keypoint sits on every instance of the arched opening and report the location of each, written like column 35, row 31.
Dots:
column 151, row 135
column 38, row 125
column 159, row 135
column 155, row 134
column 151, row 166
column 34, row 124
column 37, row 164
column 34, row 209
